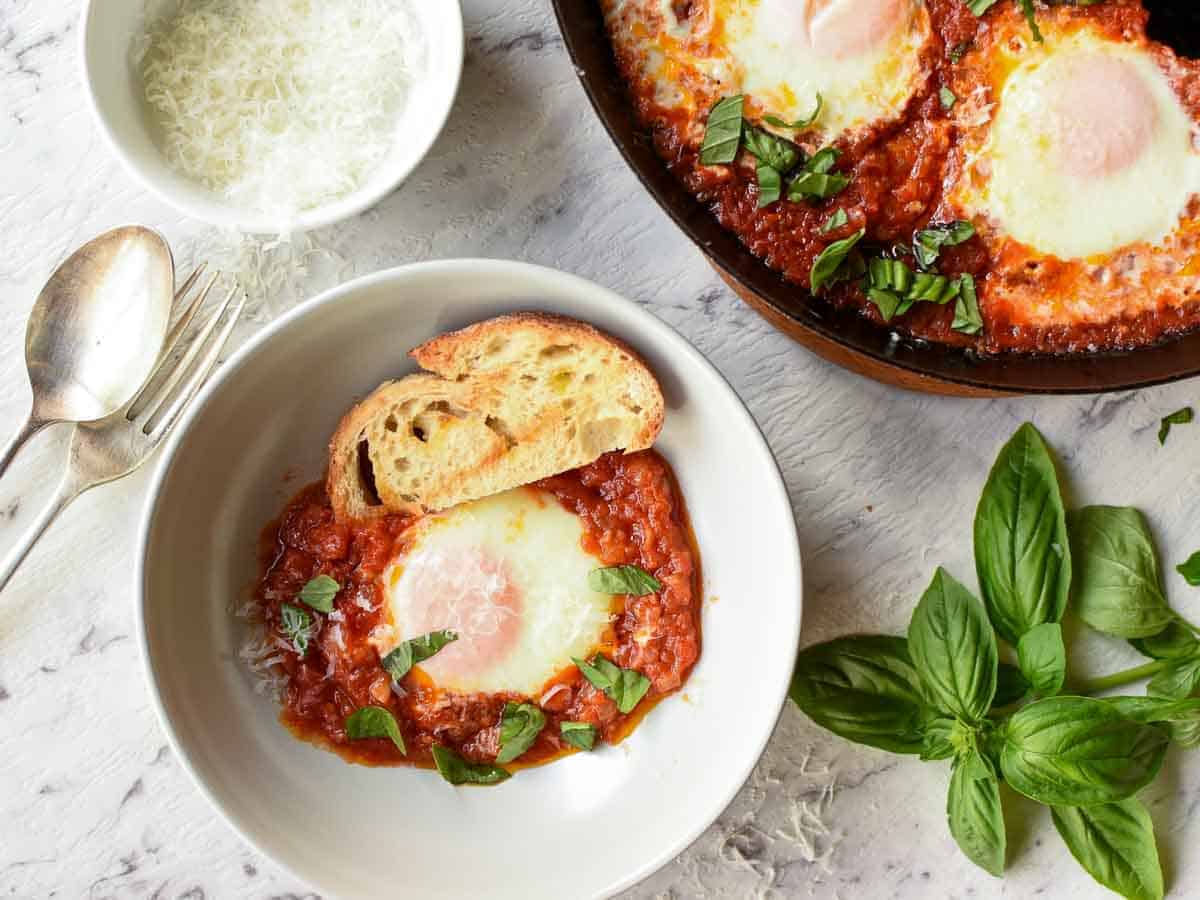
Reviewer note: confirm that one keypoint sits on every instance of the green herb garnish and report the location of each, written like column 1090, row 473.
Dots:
column 1179, row 417
column 319, row 593
column 632, row 580
column 457, row 770
column 771, row 150
column 374, row 722
column 578, row 734
column 770, row 185
column 417, row 650
column 799, row 123
column 519, row 728
column 835, row 262
column 297, row 626
column 967, row 318
column 946, row 96
column 837, row 220
column 624, row 687
column 928, row 242
column 723, row 133
column 959, row 50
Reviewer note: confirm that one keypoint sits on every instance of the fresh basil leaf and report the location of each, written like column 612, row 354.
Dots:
column 1022, row 552
column 959, row 50
column 1178, row 681
column 416, row 650
column 1078, row 751
column 928, row 242
column 1179, row 417
column 825, row 267
column 723, row 132
column 519, row 727
column 374, row 722
column 632, row 580
column 837, row 220
column 1190, row 570
column 771, row 150
column 864, row 689
column 816, row 186
column 799, row 123
column 1043, row 658
column 1173, row 642
column 954, row 649
column 457, row 770
column 945, row 737
column 1114, row 842
column 770, row 185
column 624, row 687
column 947, row 97
column 967, row 318
column 1031, row 18
column 973, row 808
column 319, row 593
column 578, row 734
column 1117, row 586
column 979, row 7
column 1181, row 718
column 823, row 161
column 1011, row 686
column 297, row 626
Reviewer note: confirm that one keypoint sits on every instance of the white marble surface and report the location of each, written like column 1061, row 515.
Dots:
column 92, row 803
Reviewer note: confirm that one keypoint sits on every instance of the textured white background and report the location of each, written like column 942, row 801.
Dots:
column 92, row 803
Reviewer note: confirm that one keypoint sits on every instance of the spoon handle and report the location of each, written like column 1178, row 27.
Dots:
column 68, row 489
column 28, row 429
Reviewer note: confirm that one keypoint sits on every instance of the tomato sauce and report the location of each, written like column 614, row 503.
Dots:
column 632, row 513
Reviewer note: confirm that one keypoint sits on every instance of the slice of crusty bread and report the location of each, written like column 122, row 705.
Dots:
column 511, row 400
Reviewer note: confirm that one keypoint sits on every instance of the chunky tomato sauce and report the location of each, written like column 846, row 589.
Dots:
column 632, row 513
column 900, row 173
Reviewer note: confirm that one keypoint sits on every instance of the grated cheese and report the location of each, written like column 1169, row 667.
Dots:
column 278, row 105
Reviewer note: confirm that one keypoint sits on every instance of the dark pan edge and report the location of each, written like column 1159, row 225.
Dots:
column 581, row 26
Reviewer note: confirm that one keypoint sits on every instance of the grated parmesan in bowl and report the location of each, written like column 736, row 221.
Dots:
column 272, row 116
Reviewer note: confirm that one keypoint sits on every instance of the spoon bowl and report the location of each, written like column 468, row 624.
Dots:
column 96, row 329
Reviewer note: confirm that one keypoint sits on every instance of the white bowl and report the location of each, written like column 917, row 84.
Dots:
column 585, row 826
column 108, row 31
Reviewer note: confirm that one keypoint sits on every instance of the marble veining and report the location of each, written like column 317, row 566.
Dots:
column 92, row 802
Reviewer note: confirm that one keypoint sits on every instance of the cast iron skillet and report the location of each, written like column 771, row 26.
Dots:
column 845, row 337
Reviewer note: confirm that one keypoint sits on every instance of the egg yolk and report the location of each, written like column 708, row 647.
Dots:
column 1103, row 117
column 472, row 593
column 836, row 29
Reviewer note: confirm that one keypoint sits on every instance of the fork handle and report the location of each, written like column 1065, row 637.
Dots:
column 68, row 489
column 31, row 426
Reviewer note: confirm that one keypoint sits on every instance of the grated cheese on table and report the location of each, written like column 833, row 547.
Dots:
column 278, row 105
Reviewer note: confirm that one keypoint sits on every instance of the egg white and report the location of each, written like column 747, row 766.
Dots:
column 1030, row 195
column 511, row 563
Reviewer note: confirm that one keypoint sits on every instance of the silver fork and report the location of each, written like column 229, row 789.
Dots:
column 113, row 447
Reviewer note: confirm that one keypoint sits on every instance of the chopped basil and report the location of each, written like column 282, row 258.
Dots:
column 893, row 287
column 967, row 318
column 959, row 50
column 979, row 7
column 1179, row 417
column 723, row 133
column 416, row 650
column 519, row 728
column 928, row 242
column 823, row 160
column 1031, row 18
column 772, row 150
column 457, row 770
column 578, row 734
column 837, row 220
column 632, row 580
column 297, row 626
column 624, row 687
column 319, row 593
column 799, row 123
column 1190, row 570
column 816, row 179
column 828, row 266
column 770, row 185
column 374, row 722
column 948, row 99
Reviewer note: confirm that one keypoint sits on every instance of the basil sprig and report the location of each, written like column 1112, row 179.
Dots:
column 319, row 593
column 723, row 132
column 416, row 650
column 519, row 727
column 297, row 626
column 1179, row 417
column 457, row 770
column 624, row 687
column 578, row 734
column 632, row 580
column 374, row 722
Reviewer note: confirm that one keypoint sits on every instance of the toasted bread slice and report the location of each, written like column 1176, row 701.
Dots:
column 511, row 400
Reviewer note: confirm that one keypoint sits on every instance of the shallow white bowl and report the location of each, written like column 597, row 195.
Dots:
column 585, row 826
column 107, row 33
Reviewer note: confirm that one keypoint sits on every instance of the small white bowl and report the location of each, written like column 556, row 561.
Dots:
column 114, row 90
column 581, row 827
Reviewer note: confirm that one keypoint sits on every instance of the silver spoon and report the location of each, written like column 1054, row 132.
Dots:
column 96, row 330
